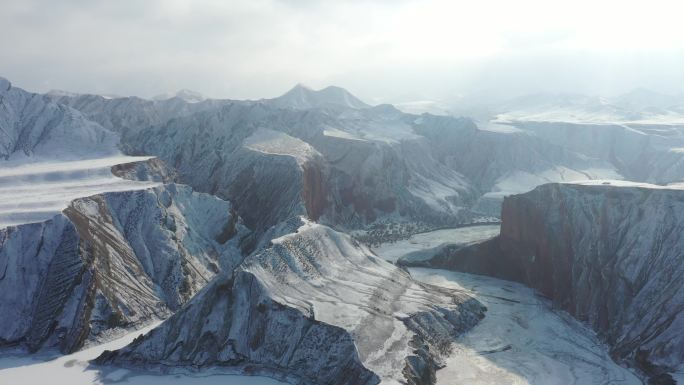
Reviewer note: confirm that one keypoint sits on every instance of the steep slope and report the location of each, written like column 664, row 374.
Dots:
column 639, row 134
column 31, row 126
column 501, row 163
column 648, row 153
column 315, row 307
column 610, row 254
column 113, row 260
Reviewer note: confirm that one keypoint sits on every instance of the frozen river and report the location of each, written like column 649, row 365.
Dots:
column 521, row 340
column 427, row 244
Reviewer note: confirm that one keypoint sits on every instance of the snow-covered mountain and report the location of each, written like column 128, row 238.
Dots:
column 373, row 163
column 128, row 115
column 184, row 94
column 301, row 97
column 346, row 167
column 637, row 106
column 32, row 126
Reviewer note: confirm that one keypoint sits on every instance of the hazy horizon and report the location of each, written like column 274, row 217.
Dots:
column 381, row 51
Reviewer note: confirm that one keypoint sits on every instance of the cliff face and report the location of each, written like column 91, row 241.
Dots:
column 314, row 308
column 112, row 260
column 613, row 256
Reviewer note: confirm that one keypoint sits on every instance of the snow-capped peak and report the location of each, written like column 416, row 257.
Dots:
column 184, row 94
column 59, row 93
column 189, row 96
column 302, row 97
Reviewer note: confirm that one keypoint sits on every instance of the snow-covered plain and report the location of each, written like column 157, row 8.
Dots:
column 521, row 340
column 429, row 243
column 520, row 182
column 75, row 369
column 626, row 183
column 38, row 190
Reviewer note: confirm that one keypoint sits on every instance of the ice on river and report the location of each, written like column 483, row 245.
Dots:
column 522, row 340
column 427, row 244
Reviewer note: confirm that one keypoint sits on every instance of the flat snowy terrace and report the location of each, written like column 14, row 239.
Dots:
column 626, row 183
column 74, row 369
column 37, row 191
column 427, row 244
column 278, row 143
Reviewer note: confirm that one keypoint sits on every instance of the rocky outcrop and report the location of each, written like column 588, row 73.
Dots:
column 314, row 308
column 609, row 255
column 154, row 170
column 113, row 260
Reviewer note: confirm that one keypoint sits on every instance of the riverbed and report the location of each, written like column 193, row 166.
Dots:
column 522, row 340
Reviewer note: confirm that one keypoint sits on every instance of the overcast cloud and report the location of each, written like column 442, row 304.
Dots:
column 380, row 50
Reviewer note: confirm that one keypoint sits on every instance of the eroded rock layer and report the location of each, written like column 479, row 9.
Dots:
column 113, row 260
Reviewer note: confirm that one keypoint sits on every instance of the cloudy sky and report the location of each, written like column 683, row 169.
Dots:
column 382, row 50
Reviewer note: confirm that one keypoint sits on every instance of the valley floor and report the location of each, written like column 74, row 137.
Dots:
column 428, row 243
column 521, row 340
